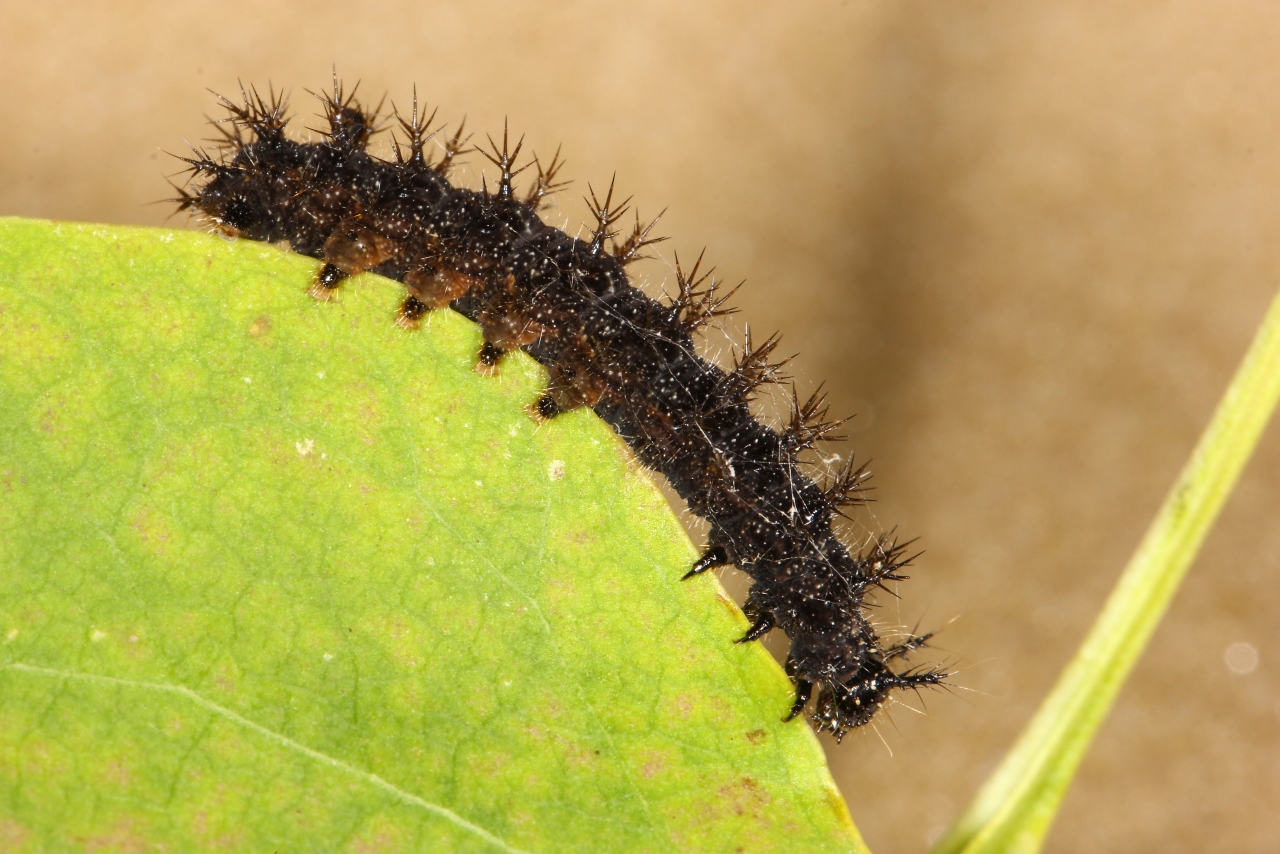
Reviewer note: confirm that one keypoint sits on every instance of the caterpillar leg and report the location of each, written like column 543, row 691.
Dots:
column 714, row 556
column 546, row 408
column 761, row 627
column 804, row 689
column 351, row 249
column 411, row 312
column 554, row 402
column 490, row 354
column 488, row 358
column 327, row 281
column 568, row 390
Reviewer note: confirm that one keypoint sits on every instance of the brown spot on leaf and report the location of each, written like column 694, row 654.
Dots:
column 122, row 838
column 381, row 841
column 12, row 835
column 655, row 764
column 744, row 796
column 152, row 531
column 118, row 773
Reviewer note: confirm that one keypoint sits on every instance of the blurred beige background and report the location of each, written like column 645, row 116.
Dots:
column 1027, row 242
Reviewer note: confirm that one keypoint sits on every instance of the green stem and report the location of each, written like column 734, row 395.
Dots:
column 1015, row 808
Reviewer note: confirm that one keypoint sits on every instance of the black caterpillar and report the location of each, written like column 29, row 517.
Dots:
column 568, row 303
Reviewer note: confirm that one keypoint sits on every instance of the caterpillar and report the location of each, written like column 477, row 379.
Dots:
column 569, row 304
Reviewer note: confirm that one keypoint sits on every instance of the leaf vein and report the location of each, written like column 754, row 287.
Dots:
column 285, row 741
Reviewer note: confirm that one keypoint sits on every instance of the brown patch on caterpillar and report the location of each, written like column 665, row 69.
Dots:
column 354, row 248
column 570, row 388
column 560, row 396
column 569, row 304
column 436, row 287
column 510, row 330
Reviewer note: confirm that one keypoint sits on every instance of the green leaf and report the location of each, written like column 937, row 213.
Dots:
column 1016, row 806
column 278, row 575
